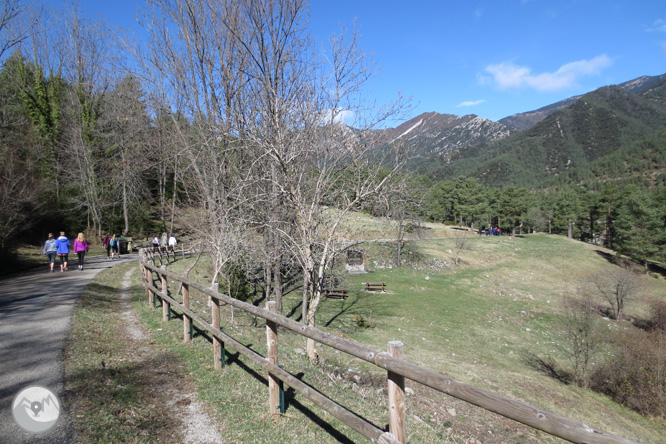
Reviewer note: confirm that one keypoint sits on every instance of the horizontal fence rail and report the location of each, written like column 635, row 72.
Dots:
column 166, row 254
column 396, row 367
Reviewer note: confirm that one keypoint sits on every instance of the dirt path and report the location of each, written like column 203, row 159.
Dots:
column 177, row 396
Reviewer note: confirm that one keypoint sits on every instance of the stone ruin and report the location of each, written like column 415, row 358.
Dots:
column 355, row 263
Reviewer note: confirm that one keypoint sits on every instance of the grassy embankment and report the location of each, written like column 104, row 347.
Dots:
column 481, row 324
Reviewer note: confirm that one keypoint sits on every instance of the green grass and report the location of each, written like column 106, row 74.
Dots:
column 480, row 322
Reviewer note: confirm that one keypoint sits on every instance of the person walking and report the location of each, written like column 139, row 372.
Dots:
column 107, row 245
column 62, row 248
column 50, row 249
column 114, row 246
column 172, row 242
column 81, row 248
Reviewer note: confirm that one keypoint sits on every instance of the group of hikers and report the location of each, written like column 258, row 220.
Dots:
column 170, row 243
column 60, row 247
column 111, row 244
column 491, row 231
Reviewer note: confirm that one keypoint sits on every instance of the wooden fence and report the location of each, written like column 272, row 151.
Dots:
column 164, row 255
column 391, row 361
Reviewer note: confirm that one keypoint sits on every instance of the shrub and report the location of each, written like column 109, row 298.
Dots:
column 581, row 336
column 657, row 315
column 636, row 376
column 363, row 322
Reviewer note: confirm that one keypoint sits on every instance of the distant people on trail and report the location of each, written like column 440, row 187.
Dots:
column 80, row 248
column 164, row 240
column 115, row 246
column 156, row 243
column 51, row 250
column 62, row 249
column 106, row 244
column 172, row 242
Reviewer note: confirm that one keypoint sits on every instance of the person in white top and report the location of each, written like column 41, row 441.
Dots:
column 172, row 242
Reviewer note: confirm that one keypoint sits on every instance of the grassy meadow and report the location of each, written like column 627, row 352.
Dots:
column 487, row 321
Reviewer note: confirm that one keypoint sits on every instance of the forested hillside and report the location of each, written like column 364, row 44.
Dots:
column 604, row 128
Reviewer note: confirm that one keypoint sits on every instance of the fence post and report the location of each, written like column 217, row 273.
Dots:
column 148, row 275
column 165, row 289
column 396, row 394
column 215, row 313
column 272, row 352
column 187, row 322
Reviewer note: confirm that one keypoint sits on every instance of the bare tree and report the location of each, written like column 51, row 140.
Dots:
column 317, row 158
column 401, row 200
column 125, row 126
column 266, row 110
column 617, row 286
column 195, row 71
column 460, row 243
column 16, row 24
column 581, row 335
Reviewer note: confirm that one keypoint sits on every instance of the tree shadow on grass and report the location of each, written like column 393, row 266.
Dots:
column 290, row 396
column 625, row 262
column 351, row 314
column 547, row 367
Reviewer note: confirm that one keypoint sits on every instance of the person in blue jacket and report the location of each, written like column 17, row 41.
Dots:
column 62, row 247
column 50, row 249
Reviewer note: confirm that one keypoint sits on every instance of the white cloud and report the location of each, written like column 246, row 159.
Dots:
column 470, row 103
column 507, row 75
column 341, row 116
column 658, row 26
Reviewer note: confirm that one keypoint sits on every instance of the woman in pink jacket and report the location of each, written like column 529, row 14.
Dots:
column 80, row 248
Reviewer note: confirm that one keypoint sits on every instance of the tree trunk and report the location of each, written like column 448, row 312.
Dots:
column 267, row 281
column 311, row 349
column 306, row 294
column 570, row 230
column 399, row 242
column 125, row 210
column 277, row 284
column 162, row 192
column 608, row 241
column 175, row 192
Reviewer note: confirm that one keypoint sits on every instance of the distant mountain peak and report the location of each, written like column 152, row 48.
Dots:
column 431, row 133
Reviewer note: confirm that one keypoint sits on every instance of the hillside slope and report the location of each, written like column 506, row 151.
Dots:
column 599, row 125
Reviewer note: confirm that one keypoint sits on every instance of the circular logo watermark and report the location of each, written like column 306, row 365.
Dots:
column 36, row 409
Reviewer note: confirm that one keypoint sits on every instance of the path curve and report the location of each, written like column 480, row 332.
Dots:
column 35, row 319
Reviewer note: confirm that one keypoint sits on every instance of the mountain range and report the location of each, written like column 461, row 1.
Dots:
column 616, row 132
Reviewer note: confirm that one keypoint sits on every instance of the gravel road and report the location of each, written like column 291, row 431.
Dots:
column 35, row 318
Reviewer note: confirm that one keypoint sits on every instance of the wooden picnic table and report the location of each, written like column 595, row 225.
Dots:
column 374, row 286
column 335, row 293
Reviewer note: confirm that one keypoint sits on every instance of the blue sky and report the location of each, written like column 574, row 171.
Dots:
column 491, row 58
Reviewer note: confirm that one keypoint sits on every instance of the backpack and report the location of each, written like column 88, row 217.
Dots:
column 114, row 242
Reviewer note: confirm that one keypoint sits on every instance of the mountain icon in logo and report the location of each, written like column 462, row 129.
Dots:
column 36, row 409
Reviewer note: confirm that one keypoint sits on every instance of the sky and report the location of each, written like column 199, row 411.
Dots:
column 491, row 58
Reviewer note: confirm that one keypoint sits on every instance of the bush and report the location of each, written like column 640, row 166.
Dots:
column 657, row 315
column 582, row 339
column 636, row 376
